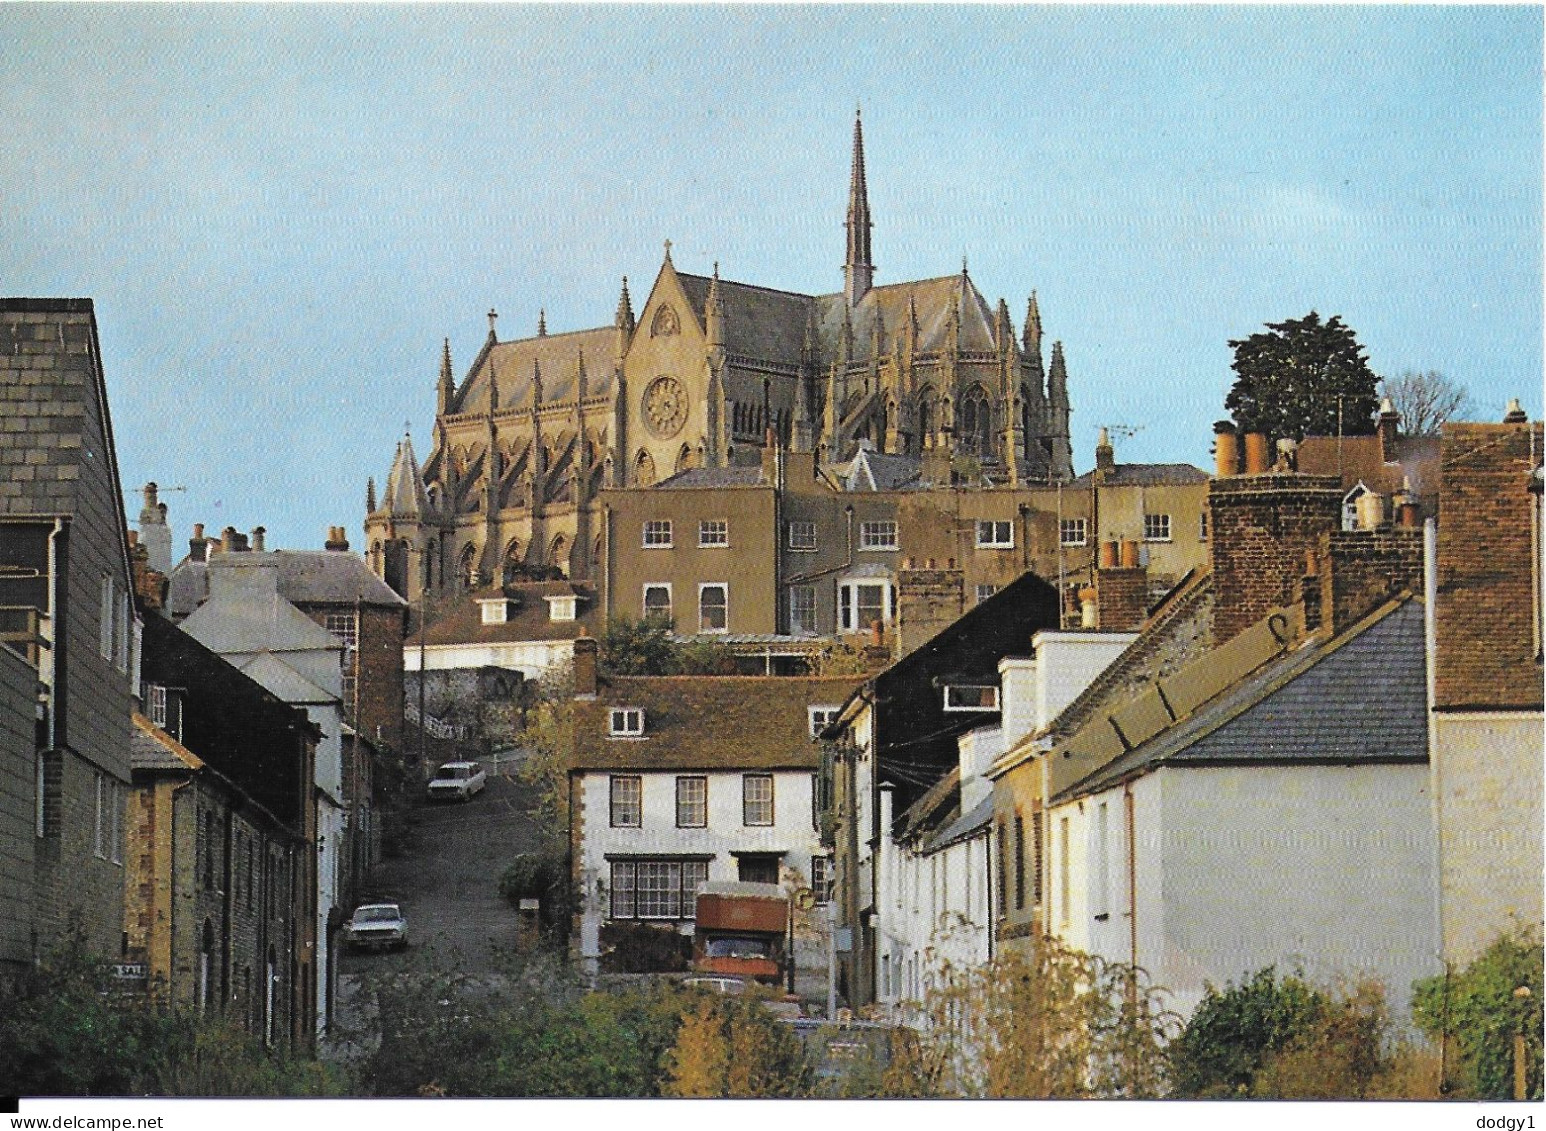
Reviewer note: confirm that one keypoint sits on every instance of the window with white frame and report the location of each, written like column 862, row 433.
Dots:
column 346, row 627
column 627, row 799
column 756, row 799
column 984, row 592
column 714, row 607
column 657, row 533
column 1072, row 532
column 155, row 704
column 656, row 889
column 822, row 717
column 802, row 536
column 714, row 532
column 692, row 802
column 1156, row 528
column 971, row 697
column 802, row 610
column 822, row 877
column 879, row 535
column 626, row 722
column 863, row 603
column 993, row 534
column 657, row 602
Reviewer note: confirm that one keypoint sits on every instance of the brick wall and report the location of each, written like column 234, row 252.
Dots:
column 1488, row 651
column 1361, row 569
column 1262, row 528
column 1121, row 598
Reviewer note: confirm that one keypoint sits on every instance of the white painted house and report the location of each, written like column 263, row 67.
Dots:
column 1283, row 818
column 939, row 875
column 685, row 779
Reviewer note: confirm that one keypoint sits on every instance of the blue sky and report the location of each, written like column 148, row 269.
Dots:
column 281, row 210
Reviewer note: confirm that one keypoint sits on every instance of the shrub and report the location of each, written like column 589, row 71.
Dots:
column 735, row 1047
column 1478, row 1009
column 1235, row 1030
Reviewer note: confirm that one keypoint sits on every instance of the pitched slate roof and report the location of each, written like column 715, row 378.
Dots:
column 558, row 358
column 963, row 826
column 283, row 681
column 770, row 325
column 707, row 722
column 715, row 477
column 880, row 471
column 1358, row 698
column 315, row 577
column 234, row 624
column 1145, row 475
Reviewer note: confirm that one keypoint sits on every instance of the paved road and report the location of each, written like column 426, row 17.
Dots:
column 448, row 883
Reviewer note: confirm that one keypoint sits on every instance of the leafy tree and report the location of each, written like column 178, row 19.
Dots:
column 547, row 736
column 647, row 647
column 1291, row 381
column 1236, row 1030
column 1478, row 1009
column 1340, row 1056
column 1425, row 401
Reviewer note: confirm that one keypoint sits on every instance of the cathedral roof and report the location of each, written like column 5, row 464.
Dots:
column 405, row 496
column 770, row 325
column 557, row 356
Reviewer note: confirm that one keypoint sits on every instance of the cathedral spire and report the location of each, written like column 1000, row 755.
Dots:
column 714, row 312
column 580, row 391
column 542, row 322
column 1002, row 330
column 370, row 495
column 446, row 390
column 858, row 268
column 1033, row 328
column 1057, row 380
column 493, row 317
column 624, row 319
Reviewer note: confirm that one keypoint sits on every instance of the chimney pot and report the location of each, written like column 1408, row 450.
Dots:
column 1515, row 414
column 1371, row 510
column 1256, row 462
column 198, row 530
column 257, row 538
column 1226, row 449
column 1109, row 555
column 134, row 537
column 1087, row 608
column 1130, row 558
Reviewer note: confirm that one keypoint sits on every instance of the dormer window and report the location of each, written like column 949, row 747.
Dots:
column 562, row 607
column 626, row 722
column 495, row 612
column 971, row 697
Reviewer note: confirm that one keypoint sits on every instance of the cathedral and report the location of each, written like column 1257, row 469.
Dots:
column 707, row 374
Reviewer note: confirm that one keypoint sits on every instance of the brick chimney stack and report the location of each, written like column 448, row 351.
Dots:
column 337, row 539
column 1105, row 456
column 257, row 538
column 1262, row 526
column 585, row 661
column 198, row 545
column 1121, row 589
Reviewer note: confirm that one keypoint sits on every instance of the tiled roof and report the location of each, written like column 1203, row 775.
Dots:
column 715, row 477
column 760, row 323
column 529, row 619
column 557, row 356
column 1145, row 475
column 707, row 722
column 1361, row 697
column 151, row 748
column 1359, row 459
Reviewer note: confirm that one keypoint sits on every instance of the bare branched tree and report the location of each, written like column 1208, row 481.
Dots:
column 1425, row 401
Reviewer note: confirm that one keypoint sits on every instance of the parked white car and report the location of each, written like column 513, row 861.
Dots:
column 377, row 925
column 457, row 781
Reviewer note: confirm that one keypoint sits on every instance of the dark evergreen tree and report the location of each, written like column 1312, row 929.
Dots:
column 1303, row 378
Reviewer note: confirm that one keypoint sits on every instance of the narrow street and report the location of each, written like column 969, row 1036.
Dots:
column 448, row 882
